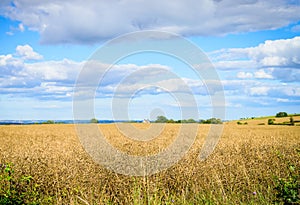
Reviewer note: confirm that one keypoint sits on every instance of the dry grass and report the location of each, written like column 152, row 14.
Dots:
column 244, row 161
column 265, row 120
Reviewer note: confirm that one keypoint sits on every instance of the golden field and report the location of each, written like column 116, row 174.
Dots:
column 264, row 120
column 241, row 169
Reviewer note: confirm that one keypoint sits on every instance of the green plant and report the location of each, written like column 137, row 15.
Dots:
column 15, row 190
column 94, row 120
column 241, row 123
column 292, row 121
column 271, row 121
column 161, row 119
column 48, row 122
column 212, row 121
column 288, row 188
column 281, row 114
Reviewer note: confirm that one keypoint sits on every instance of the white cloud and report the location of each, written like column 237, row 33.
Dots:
column 277, row 59
column 9, row 60
column 244, row 75
column 21, row 27
column 39, row 79
column 283, row 52
column 262, row 74
column 27, row 53
column 259, row 90
column 55, row 80
column 282, row 100
column 12, row 29
column 64, row 70
column 287, row 74
column 10, row 33
column 236, row 64
column 58, row 22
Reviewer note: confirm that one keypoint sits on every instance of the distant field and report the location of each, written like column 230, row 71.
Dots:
column 257, row 121
column 241, row 170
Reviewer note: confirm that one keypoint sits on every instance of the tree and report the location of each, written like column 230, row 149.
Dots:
column 170, row 121
column 94, row 120
column 49, row 122
column 271, row 121
column 281, row 114
column 161, row 119
column 212, row 121
column 292, row 121
column 191, row 120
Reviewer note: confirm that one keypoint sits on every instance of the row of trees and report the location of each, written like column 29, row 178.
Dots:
column 291, row 122
column 163, row 119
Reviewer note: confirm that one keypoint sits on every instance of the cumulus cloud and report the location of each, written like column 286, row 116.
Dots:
column 57, row 79
column 276, row 59
column 36, row 79
column 9, row 65
column 64, row 70
column 283, row 52
column 58, row 22
column 27, row 53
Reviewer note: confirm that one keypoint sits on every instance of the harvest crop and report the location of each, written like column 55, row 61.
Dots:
column 241, row 170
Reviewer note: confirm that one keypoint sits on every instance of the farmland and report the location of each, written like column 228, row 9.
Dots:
column 241, row 170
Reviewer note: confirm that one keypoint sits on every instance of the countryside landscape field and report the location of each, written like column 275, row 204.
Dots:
column 150, row 102
column 48, row 165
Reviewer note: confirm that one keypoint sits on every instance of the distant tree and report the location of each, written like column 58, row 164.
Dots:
column 212, row 121
column 241, row 123
column 49, row 122
column 188, row 121
column 161, row 119
column 281, row 114
column 94, row 120
column 271, row 121
column 292, row 121
column 191, row 120
column 170, row 121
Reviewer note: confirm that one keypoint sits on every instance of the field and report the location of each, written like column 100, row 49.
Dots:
column 241, row 170
column 264, row 120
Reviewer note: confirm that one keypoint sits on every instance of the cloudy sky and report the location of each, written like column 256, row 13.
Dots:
column 253, row 45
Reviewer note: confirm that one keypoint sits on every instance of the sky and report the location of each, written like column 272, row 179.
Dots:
column 253, row 46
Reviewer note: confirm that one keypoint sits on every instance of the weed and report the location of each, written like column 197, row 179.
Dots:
column 288, row 188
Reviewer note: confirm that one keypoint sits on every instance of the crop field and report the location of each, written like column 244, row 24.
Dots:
column 48, row 165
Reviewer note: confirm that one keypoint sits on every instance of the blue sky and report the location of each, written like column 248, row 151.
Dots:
column 254, row 46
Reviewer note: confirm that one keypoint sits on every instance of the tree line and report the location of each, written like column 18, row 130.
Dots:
column 163, row 119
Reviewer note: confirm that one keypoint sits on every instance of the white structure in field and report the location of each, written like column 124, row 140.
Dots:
column 146, row 121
